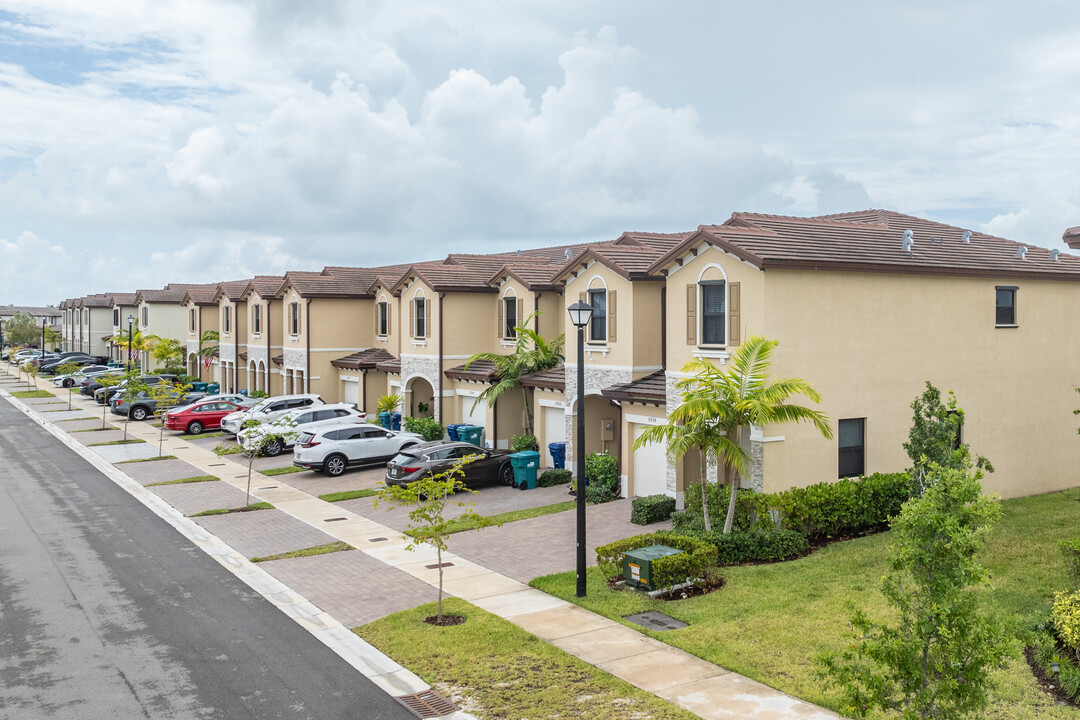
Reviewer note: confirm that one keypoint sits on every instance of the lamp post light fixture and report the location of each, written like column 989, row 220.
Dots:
column 580, row 314
column 44, row 320
column 131, row 321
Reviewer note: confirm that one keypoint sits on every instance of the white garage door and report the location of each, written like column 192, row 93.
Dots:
column 478, row 417
column 650, row 467
column 351, row 390
column 554, row 428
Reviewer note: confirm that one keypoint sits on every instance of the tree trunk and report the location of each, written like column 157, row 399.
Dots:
column 732, row 479
column 528, row 411
column 704, row 496
column 438, row 614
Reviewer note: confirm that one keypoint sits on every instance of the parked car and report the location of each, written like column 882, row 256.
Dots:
column 104, row 394
column 335, row 447
column 204, row 414
column 281, row 433
column 432, row 458
column 70, row 379
column 143, row 405
column 268, row 409
column 51, row 367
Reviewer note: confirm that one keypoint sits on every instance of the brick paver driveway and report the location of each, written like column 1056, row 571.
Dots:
column 190, row 498
column 160, row 471
column 319, row 484
column 260, row 533
column 544, row 545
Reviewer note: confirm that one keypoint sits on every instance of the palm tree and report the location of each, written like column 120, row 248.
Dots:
column 206, row 349
column 164, row 350
column 726, row 401
column 532, row 353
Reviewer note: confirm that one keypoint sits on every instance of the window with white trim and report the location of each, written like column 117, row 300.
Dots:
column 510, row 313
column 191, row 319
column 598, row 323
column 713, row 311
column 420, row 317
column 1005, row 302
column 384, row 319
column 294, row 318
column 116, row 317
column 226, row 325
column 256, row 318
column 852, row 436
column 146, row 316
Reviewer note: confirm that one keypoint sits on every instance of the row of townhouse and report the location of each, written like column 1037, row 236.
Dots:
column 867, row 306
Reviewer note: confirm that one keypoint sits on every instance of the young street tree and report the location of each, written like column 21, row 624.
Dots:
column 68, row 368
column 934, row 438
column 166, row 397
column 255, row 438
column 21, row 329
column 720, row 403
column 934, row 660
column 532, row 353
column 429, row 498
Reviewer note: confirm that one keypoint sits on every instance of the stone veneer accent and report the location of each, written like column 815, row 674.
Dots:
column 227, row 352
column 426, row 366
column 597, row 377
column 257, row 353
column 295, row 359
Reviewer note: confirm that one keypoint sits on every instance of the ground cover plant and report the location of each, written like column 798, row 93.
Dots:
column 772, row 622
column 495, row 669
column 348, row 495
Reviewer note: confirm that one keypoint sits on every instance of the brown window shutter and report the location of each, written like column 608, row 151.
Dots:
column 378, row 314
column 520, row 303
column 734, row 314
column 412, row 320
column 611, row 334
column 691, row 314
column 427, row 318
column 388, row 318
column 500, row 330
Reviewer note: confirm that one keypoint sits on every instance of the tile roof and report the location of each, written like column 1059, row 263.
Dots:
column 122, row 298
column 449, row 277
column 6, row 310
column 234, row 290
column 482, row 371
column 651, row 390
column 202, row 294
column 165, row 295
column 265, row 285
column 871, row 241
column 364, row 360
column 631, row 255
column 390, row 366
column 96, row 300
column 553, row 379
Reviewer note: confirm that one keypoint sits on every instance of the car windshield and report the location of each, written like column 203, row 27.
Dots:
column 403, row 459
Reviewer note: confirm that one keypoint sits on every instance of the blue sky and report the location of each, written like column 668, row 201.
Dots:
column 143, row 143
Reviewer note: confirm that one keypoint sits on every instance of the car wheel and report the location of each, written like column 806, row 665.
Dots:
column 273, row 448
column 335, row 465
column 138, row 413
column 68, row 383
column 194, row 428
column 506, row 474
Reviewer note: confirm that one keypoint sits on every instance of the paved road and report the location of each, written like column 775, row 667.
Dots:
column 107, row 612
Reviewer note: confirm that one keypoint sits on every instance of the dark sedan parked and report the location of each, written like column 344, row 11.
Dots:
column 432, row 458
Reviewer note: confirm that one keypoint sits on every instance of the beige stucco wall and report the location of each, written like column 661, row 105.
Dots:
column 631, row 419
column 391, row 342
column 619, row 352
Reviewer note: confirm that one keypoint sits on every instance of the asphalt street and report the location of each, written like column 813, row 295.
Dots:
column 107, row 612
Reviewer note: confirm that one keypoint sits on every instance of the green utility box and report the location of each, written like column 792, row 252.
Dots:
column 637, row 564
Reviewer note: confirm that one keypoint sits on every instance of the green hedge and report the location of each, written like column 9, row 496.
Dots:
column 817, row 511
column 429, row 428
column 651, row 508
column 548, row 478
column 694, row 562
column 521, row 443
column 742, row 547
column 1070, row 551
column 603, row 473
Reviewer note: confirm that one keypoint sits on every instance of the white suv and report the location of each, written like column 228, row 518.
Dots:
column 268, row 409
column 333, row 448
column 278, row 435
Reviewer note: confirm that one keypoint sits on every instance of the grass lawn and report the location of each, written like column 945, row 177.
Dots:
column 770, row 622
column 32, row 394
column 288, row 469
column 307, row 552
column 494, row 669
column 457, row 526
column 184, row 481
column 149, row 459
column 200, row 436
column 133, row 441
column 226, row 511
column 348, row 495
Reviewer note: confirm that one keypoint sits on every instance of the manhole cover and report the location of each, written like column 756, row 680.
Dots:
column 656, row 621
column 428, row 704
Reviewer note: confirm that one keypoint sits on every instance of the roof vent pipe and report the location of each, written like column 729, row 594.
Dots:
column 567, row 253
column 1054, row 254
column 966, row 237
column 519, row 253
column 909, row 242
column 1021, row 252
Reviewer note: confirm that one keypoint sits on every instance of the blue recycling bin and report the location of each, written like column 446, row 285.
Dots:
column 525, row 464
column 384, row 419
column 242, row 391
column 451, row 431
column 558, row 455
column 470, row 434
column 395, row 421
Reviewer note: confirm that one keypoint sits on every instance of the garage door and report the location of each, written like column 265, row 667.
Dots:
column 650, row 467
column 477, row 417
column 351, row 391
column 554, row 428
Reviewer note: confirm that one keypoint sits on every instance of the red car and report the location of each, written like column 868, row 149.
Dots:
column 199, row 416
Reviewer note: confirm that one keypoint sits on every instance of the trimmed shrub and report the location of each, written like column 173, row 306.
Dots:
column 694, row 562
column 520, row 443
column 651, row 508
column 429, row 428
column 548, row 478
column 718, row 502
column 1070, row 550
column 1066, row 614
column 603, row 473
column 743, row 547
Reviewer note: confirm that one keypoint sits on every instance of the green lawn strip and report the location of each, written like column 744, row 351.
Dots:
column 506, row 672
column 83, row 419
column 348, row 495
column 226, row 511
column 306, row 552
column 91, row 429
column 200, row 436
column 182, row 481
column 771, row 622
column 149, row 459
column 457, row 526
column 282, row 470
column 221, row 449
column 131, row 441
column 32, row 394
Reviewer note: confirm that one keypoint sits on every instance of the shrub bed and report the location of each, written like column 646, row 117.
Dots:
column 521, row 443
column 756, row 546
column 548, row 478
column 429, row 428
column 693, row 563
column 603, row 473
column 651, row 508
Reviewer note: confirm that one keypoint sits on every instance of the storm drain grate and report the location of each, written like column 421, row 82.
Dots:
column 267, row 487
column 215, row 464
column 436, row 566
column 334, row 519
column 378, row 539
column 428, row 704
column 656, row 621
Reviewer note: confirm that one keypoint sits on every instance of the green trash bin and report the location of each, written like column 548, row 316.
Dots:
column 525, row 464
column 213, row 389
column 470, row 434
column 199, row 386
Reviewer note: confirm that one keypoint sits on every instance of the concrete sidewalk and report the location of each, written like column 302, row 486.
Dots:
column 700, row 687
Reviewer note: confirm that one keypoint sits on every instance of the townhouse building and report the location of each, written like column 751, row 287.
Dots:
column 233, row 334
column 123, row 307
column 202, row 313
column 265, row 326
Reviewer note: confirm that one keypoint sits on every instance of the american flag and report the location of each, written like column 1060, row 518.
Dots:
column 133, row 354
column 208, row 361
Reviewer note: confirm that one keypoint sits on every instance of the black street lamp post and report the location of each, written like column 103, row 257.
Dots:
column 131, row 320
column 44, row 319
column 580, row 314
